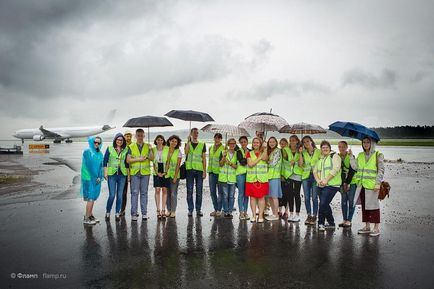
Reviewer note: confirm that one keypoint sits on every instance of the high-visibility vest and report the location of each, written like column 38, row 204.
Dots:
column 143, row 167
column 213, row 159
column 258, row 173
column 164, row 160
column 241, row 170
column 288, row 169
column 116, row 161
column 367, row 171
column 227, row 173
column 323, row 168
column 346, row 168
column 309, row 162
column 194, row 158
column 172, row 165
column 275, row 170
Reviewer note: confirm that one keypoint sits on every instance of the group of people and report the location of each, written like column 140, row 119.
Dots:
column 269, row 175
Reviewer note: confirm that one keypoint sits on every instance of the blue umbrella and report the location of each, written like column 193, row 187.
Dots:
column 353, row 130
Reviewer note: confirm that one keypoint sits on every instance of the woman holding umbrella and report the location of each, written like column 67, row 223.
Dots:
column 257, row 178
column 370, row 172
column 309, row 156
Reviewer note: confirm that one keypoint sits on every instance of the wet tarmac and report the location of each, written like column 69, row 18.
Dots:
column 45, row 236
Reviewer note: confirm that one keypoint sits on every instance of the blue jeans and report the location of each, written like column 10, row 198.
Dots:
column 243, row 200
column 326, row 196
column 172, row 195
column 139, row 184
column 310, row 191
column 194, row 176
column 212, row 180
column 347, row 202
column 228, row 195
column 116, row 185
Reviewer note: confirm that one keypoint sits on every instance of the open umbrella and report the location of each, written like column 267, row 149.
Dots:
column 148, row 121
column 353, row 130
column 226, row 129
column 302, row 128
column 190, row 115
column 263, row 121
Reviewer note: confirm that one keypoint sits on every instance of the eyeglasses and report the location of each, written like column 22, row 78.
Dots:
column 96, row 142
column 232, row 143
column 119, row 139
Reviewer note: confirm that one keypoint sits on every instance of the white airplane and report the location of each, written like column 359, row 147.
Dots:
column 61, row 133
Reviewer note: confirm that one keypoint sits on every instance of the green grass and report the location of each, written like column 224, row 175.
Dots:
column 388, row 142
column 9, row 179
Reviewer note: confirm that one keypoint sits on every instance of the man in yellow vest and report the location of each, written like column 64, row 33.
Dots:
column 214, row 154
column 128, row 137
column 139, row 157
column 195, row 164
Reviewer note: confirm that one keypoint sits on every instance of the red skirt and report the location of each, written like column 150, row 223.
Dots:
column 256, row 190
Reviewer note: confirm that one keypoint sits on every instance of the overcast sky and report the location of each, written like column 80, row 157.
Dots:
column 68, row 63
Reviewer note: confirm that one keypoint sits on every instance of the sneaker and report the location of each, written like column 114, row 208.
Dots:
column 364, row 231
column 213, row 214
column 374, row 233
column 172, row 214
column 117, row 217
column 134, row 218
column 242, row 217
column 246, row 216
column 122, row 214
column 260, row 220
column 329, row 226
column 88, row 221
column 190, row 214
column 107, row 216
column 199, row 214
column 321, row 228
column 296, row 218
column 307, row 222
column 347, row 225
column 228, row 216
column 312, row 220
column 342, row 224
column 94, row 219
column 272, row 218
column 144, row 217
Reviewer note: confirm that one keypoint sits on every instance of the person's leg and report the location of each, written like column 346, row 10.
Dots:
column 112, row 192
column 190, row 184
column 365, row 214
column 220, row 197
column 351, row 204
column 135, row 186
column 322, row 206
column 144, row 183
column 344, row 204
column 163, row 200
column 225, row 196
column 297, row 197
column 253, row 205
column 331, row 192
column 291, row 196
column 89, row 207
column 315, row 199
column 307, row 190
column 261, row 203
column 241, row 183
column 212, row 181
column 124, row 197
column 231, row 192
column 157, row 198
column 169, row 196
column 199, row 190
column 174, row 195
column 120, row 191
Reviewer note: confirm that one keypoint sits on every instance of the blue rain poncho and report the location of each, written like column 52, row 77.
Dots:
column 91, row 170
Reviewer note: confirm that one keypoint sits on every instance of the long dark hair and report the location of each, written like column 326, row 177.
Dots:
column 298, row 141
column 174, row 137
column 309, row 138
column 269, row 149
column 157, row 137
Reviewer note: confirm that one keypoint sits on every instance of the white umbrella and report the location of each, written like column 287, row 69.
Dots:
column 227, row 129
column 263, row 121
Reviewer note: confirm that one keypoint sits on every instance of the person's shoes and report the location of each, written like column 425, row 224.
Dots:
column 321, row 228
column 190, row 214
column 307, row 222
column 92, row 217
column 88, row 221
column 199, row 214
column 252, row 220
column 374, row 233
column 134, row 218
column 267, row 212
column 107, row 216
column 122, row 214
column 117, row 217
column 330, row 226
column 272, row 218
column 218, row 214
column 364, row 231
column 172, row 214
column 296, row 219
column 342, row 224
column 168, row 214
column 246, row 216
column 285, row 215
column 144, row 217
column 242, row 217
column 213, row 214
column 347, row 225
column 228, row 216
column 312, row 220
column 260, row 220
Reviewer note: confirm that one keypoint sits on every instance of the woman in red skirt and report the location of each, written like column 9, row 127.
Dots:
column 257, row 179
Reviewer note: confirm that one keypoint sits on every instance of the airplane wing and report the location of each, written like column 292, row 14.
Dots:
column 52, row 134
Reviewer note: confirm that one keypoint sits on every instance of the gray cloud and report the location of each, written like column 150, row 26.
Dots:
column 386, row 79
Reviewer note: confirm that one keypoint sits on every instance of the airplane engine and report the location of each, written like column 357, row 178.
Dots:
column 38, row 137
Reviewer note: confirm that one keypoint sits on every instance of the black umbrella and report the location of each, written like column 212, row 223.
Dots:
column 190, row 115
column 148, row 121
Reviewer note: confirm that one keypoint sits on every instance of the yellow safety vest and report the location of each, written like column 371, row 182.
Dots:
column 346, row 168
column 155, row 163
column 213, row 160
column 258, row 173
column 227, row 173
column 274, row 171
column 172, row 165
column 367, row 171
column 241, row 170
column 116, row 161
column 309, row 162
column 194, row 158
column 143, row 167
column 323, row 168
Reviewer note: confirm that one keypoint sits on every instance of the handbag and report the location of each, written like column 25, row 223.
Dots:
column 384, row 190
column 182, row 172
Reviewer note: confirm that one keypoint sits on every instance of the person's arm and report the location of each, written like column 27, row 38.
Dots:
column 178, row 165
column 150, row 153
column 336, row 162
column 350, row 175
column 222, row 159
column 106, row 158
column 380, row 171
column 131, row 159
column 204, row 161
column 353, row 161
column 300, row 159
column 241, row 159
column 252, row 163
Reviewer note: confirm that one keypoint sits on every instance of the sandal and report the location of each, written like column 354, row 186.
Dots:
column 163, row 214
column 158, row 214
